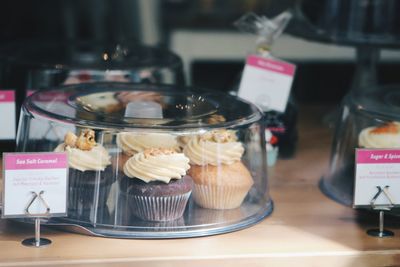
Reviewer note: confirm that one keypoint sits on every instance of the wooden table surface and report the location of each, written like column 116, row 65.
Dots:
column 305, row 229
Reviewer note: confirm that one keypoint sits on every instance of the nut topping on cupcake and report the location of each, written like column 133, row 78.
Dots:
column 389, row 128
column 70, row 139
column 157, row 165
column 85, row 141
column 215, row 148
column 158, row 151
column 383, row 136
column 219, row 136
column 84, row 154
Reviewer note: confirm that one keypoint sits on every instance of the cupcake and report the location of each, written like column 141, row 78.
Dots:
column 132, row 142
column 221, row 181
column 156, row 185
column 383, row 136
column 89, row 165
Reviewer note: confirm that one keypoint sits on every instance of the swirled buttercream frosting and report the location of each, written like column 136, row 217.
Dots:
column 384, row 136
column 132, row 143
column 83, row 152
column 157, row 165
column 215, row 148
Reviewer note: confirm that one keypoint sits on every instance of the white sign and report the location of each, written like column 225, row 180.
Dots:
column 26, row 175
column 266, row 82
column 7, row 111
column 376, row 170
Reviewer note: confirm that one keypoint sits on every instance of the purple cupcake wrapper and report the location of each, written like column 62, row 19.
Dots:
column 159, row 208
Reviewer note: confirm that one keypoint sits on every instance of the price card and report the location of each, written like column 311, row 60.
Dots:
column 377, row 169
column 7, row 106
column 267, row 82
column 27, row 174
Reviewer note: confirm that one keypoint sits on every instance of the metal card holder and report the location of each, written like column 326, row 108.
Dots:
column 381, row 232
column 37, row 241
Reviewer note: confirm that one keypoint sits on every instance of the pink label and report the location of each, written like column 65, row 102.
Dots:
column 29, row 92
column 271, row 65
column 27, row 161
column 7, row 96
column 377, row 156
column 277, row 129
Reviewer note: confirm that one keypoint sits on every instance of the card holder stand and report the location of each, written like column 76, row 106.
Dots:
column 37, row 241
column 381, row 231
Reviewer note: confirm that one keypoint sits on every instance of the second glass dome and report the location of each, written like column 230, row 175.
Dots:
column 369, row 119
column 152, row 161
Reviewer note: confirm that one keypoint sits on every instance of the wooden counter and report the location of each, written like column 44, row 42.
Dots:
column 305, row 229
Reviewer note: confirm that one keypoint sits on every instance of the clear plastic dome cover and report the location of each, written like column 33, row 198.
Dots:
column 152, row 161
column 369, row 119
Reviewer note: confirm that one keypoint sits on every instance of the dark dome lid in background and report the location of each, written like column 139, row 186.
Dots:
column 378, row 102
column 348, row 22
column 90, row 55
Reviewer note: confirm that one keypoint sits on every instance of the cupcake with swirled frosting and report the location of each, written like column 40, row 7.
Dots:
column 221, row 181
column 89, row 166
column 156, row 185
column 383, row 136
column 132, row 143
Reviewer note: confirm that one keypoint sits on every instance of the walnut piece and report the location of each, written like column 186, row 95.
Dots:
column 70, row 139
column 219, row 136
column 158, row 151
column 86, row 140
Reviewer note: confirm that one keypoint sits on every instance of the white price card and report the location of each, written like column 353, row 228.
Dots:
column 266, row 82
column 28, row 174
column 377, row 169
column 7, row 109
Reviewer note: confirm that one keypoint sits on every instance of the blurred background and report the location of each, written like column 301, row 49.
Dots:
column 200, row 31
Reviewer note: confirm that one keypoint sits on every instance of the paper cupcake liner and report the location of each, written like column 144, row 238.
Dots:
column 159, row 208
column 219, row 197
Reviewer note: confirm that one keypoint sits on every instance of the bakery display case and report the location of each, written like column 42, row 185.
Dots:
column 368, row 120
column 152, row 161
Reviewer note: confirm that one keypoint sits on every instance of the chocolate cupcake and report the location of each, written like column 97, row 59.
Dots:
column 156, row 185
column 89, row 177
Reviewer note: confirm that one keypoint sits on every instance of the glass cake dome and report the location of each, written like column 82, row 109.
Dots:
column 369, row 119
column 152, row 161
